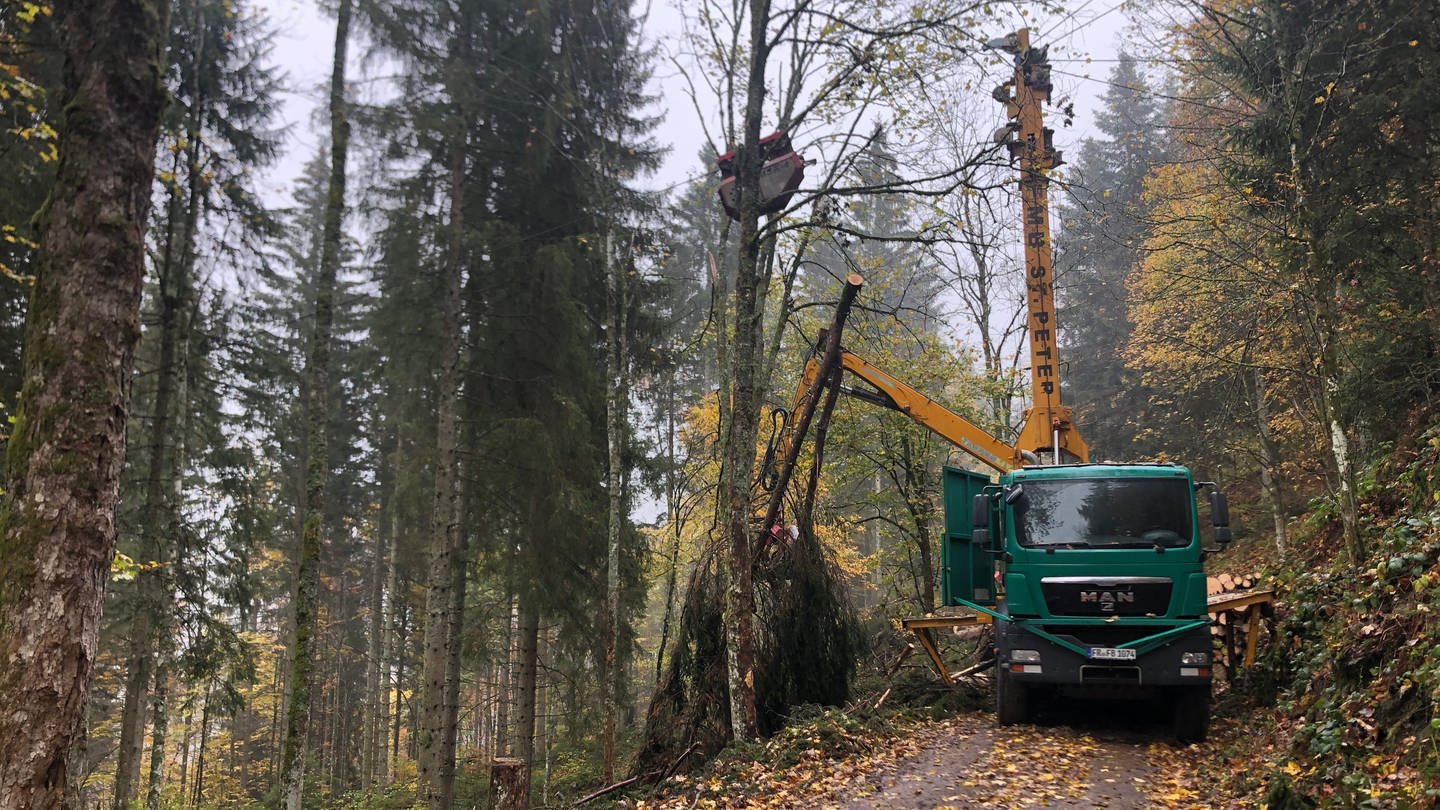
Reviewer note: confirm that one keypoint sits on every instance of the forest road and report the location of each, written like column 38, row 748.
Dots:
column 1115, row 759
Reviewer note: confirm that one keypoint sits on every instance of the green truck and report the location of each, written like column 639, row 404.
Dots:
column 1093, row 576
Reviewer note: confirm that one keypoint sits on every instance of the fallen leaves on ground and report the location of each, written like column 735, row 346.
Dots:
column 758, row 785
column 960, row 762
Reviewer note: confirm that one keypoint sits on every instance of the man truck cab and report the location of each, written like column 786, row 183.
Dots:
column 1093, row 574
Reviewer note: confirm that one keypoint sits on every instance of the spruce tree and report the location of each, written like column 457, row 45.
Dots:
column 1102, row 226
column 214, row 134
column 317, row 416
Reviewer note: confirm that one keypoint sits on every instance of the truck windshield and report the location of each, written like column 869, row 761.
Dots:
column 1105, row 513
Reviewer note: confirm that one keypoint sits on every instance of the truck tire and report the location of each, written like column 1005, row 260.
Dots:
column 1012, row 699
column 1191, row 709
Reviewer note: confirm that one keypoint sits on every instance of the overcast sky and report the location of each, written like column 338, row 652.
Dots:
column 305, row 41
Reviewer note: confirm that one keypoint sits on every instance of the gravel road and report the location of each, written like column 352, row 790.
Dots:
column 1097, row 756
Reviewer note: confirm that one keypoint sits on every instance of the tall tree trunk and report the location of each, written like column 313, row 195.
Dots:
column 673, row 523
column 394, row 649
column 317, row 409
column 142, row 630
column 615, row 426
column 1325, row 292
column 276, row 710
column 545, row 725
column 919, row 504
column 738, row 457
column 188, row 721
column 174, row 299
column 330, row 741
column 373, row 724
column 458, row 570
column 57, row 519
column 1272, row 478
column 872, row 547
column 444, row 607
column 527, row 680
column 401, row 633
column 160, row 725
column 505, row 687
column 1327, row 332
column 198, row 795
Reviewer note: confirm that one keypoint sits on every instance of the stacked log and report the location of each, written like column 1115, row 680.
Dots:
column 1227, row 582
column 1232, row 628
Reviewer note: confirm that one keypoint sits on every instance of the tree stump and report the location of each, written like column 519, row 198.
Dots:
column 509, row 784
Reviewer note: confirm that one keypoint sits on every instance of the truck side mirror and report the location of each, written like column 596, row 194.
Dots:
column 1220, row 517
column 980, row 512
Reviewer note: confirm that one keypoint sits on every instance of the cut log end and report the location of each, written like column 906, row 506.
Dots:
column 509, row 784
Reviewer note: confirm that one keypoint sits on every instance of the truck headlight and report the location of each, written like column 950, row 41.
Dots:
column 1025, row 656
column 1195, row 659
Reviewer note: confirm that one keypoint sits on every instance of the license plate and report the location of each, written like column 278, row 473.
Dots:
column 1112, row 654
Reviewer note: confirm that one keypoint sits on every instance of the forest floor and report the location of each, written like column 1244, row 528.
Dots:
column 1096, row 755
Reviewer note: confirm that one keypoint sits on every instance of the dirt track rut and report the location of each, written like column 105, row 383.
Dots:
column 970, row 763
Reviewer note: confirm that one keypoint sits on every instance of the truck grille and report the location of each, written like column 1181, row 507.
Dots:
column 1106, row 596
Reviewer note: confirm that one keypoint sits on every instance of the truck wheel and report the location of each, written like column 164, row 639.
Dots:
column 1012, row 699
column 1192, row 714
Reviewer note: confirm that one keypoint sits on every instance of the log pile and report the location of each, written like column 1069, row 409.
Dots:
column 1227, row 583
column 1236, row 629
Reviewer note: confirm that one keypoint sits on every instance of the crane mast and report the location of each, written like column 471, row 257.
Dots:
column 1048, row 429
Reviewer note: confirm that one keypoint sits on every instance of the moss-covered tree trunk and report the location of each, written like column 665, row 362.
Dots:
column 317, row 409
column 57, row 520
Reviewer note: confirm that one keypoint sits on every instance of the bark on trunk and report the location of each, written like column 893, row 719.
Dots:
column 455, row 627
column 1338, row 439
column 401, row 634
column 153, row 606
column 160, row 727
column 615, row 406
column 444, row 598
column 187, row 721
column 131, row 748
column 920, row 506
column 199, row 789
column 57, row 521
column 509, row 784
column 1272, row 479
column 317, row 408
column 526, row 677
column 505, row 740
column 393, row 648
column 674, row 522
column 373, row 724
column 738, row 459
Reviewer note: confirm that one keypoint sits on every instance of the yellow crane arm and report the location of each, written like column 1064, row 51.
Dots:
column 887, row 391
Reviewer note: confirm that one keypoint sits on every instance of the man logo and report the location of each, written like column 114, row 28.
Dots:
column 1107, row 600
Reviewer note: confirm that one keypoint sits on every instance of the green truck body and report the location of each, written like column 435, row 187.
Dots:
column 1094, row 576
